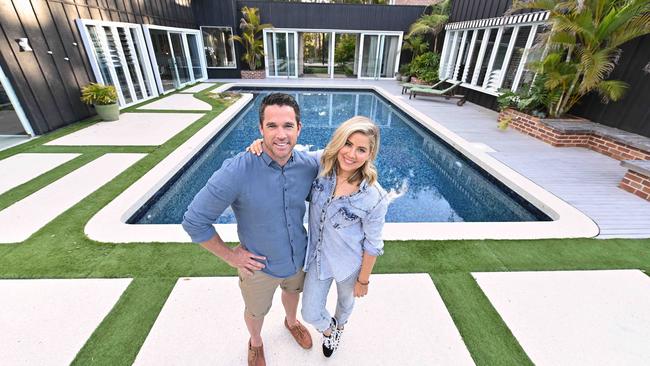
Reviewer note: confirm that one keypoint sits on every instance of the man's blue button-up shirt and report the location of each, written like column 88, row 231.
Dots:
column 269, row 204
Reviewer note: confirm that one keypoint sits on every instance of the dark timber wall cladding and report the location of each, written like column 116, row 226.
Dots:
column 48, row 80
column 304, row 15
column 632, row 113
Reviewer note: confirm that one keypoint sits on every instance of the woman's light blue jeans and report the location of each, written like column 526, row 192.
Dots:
column 314, row 299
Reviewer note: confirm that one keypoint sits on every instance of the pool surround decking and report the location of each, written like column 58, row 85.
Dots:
column 109, row 225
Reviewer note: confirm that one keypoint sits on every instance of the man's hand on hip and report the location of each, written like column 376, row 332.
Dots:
column 244, row 260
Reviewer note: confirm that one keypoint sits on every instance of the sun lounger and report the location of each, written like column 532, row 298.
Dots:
column 445, row 93
column 407, row 86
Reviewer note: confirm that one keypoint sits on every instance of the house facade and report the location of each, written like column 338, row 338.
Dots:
column 51, row 48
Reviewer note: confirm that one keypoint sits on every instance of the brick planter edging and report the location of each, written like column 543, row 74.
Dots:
column 577, row 137
column 637, row 178
column 637, row 184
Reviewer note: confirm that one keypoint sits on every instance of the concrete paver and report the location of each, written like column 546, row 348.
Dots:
column 22, row 219
column 21, row 168
column 138, row 129
column 402, row 321
column 575, row 317
column 46, row 322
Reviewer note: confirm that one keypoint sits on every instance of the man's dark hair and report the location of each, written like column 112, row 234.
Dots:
column 279, row 99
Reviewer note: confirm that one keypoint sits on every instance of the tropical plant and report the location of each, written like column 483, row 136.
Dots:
column 416, row 45
column 425, row 67
column 251, row 28
column 583, row 46
column 98, row 94
column 432, row 23
column 535, row 99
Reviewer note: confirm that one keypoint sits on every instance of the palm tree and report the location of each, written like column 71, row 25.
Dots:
column 584, row 43
column 253, row 45
column 416, row 44
column 432, row 24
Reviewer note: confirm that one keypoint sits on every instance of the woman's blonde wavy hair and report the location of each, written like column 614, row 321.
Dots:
column 329, row 161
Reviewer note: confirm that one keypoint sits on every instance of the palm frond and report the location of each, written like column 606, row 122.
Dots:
column 611, row 90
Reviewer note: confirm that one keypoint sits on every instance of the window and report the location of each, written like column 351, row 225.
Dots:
column 490, row 54
column 219, row 47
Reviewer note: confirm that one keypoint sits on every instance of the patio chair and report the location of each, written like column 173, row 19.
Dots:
column 448, row 93
column 407, row 86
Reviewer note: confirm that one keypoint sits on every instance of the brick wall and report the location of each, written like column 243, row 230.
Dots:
column 637, row 184
column 533, row 126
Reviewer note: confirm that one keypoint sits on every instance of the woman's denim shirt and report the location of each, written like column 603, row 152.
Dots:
column 342, row 228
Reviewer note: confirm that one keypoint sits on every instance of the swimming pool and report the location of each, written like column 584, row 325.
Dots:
column 438, row 183
column 113, row 222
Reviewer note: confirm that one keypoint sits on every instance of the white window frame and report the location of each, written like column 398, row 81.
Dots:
column 333, row 33
column 15, row 103
column 232, row 46
column 188, row 59
column 143, row 60
column 452, row 57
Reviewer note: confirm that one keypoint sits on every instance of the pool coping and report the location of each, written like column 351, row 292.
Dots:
column 109, row 224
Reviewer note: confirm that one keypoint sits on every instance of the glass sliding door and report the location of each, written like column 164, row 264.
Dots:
column 379, row 56
column 175, row 53
column 389, row 56
column 281, row 56
column 180, row 59
column 195, row 56
column 369, row 55
column 116, row 53
column 162, row 52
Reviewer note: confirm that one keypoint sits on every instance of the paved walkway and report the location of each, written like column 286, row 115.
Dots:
column 559, row 318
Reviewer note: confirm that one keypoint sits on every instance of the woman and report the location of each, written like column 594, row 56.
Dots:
column 346, row 216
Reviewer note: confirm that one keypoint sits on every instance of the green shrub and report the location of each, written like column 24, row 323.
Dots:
column 533, row 99
column 425, row 67
column 405, row 70
column 98, row 94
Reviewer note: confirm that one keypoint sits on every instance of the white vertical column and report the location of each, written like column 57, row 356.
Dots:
column 495, row 49
column 506, row 59
column 459, row 58
column 470, row 53
column 524, row 58
column 481, row 55
column 452, row 55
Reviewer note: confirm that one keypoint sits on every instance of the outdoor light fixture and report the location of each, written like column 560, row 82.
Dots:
column 23, row 43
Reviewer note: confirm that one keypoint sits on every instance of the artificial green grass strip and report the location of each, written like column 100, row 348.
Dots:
column 486, row 336
column 120, row 335
column 567, row 254
column 437, row 256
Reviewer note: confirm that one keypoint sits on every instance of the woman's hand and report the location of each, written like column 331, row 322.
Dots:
column 360, row 290
column 256, row 147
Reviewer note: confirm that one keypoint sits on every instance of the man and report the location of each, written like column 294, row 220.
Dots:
column 267, row 194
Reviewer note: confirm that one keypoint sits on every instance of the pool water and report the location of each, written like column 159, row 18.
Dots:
column 438, row 184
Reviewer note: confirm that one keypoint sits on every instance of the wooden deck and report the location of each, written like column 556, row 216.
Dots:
column 585, row 179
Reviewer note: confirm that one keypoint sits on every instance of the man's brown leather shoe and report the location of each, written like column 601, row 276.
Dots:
column 300, row 334
column 256, row 355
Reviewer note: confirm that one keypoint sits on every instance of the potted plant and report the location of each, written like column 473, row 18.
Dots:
column 252, row 42
column 103, row 98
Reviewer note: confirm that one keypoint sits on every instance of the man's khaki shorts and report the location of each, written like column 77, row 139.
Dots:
column 258, row 289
